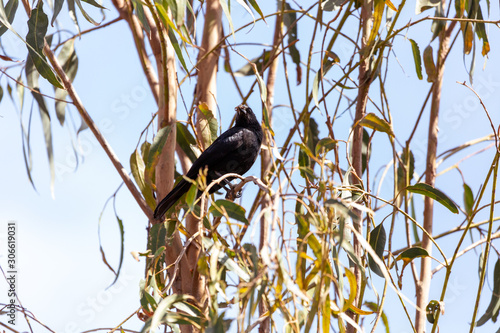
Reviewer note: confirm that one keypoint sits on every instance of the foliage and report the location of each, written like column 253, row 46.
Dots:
column 303, row 275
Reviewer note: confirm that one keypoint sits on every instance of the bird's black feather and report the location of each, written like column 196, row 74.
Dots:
column 234, row 151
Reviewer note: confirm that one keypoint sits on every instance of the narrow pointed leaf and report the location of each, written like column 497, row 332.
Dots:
column 468, row 199
column 416, row 58
column 319, row 76
column 233, row 210
column 430, row 67
column 57, row 9
column 432, row 310
column 377, row 242
column 227, row 13
column 434, row 193
column 378, row 12
column 138, row 167
column 155, row 151
column 72, row 14
column 213, row 125
column 414, row 252
column 494, row 306
column 85, row 14
column 69, row 63
column 185, row 139
column 374, row 122
column 32, row 81
column 256, row 7
column 327, row 144
column 10, row 12
column 37, row 28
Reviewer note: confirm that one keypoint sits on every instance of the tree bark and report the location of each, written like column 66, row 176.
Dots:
column 206, row 92
column 266, row 157
column 423, row 285
column 364, row 81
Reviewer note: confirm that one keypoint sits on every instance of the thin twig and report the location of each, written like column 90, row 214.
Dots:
column 104, row 25
column 485, row 110
column 100, row 138
column 31, row 89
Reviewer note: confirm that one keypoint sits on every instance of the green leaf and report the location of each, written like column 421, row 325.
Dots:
column 374, row 307
column 331, row 5
column 57, row 9
column 372, row 121
column 432, row 310
column 84, row 13
column 72, row 14
column 212, row 123
column 10, row 13
column 139, row 11
column 138, row 167
column 177, row 49
column 407, row 256
column 468, row 199
column 69, row 63
column 156, row 240
column 94, row 3
column 430, row 67
column 377, row 242
column 408, row 165
column 422, row 5
column 416, row 58
column 366, row 149
column 341, row 208
column 433, row 193
column 318, row 77
column 191, row 196
column 37, row 28
column 327, row 144
column 263, row 98
column 414, row 252
column 312, row 135
column 122, row 248
column 494, row 306
column 222, row 207
column 255, row 6
column 304, row 163
column 155, row 150
column 260, row 62
column 32, row 81
column 227, row 13
column 378, row 12
column 163, row 315
column 185, row 139
column 290, row 21
column 28, row 162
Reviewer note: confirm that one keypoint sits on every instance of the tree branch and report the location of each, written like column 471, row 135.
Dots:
column 100, row 138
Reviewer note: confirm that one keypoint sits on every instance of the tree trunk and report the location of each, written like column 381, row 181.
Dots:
column 423, row 285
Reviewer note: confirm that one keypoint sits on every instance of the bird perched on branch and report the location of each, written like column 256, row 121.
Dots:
column 234, row 151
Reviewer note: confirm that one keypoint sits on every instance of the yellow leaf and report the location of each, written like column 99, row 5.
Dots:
column 390, row 5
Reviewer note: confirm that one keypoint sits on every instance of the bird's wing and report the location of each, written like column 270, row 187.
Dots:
column 227, row 143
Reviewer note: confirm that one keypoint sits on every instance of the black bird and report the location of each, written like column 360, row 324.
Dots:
column 234, row 151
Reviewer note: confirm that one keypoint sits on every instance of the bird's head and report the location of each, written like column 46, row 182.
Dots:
column 245, row 116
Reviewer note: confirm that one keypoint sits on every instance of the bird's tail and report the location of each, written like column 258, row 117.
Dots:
column 171, row 198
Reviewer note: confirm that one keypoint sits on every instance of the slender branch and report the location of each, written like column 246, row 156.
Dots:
column 104, row 25
column 467, row 249
column 34, row 91
column 135, row 27
column 100, row 138
column 423, row 286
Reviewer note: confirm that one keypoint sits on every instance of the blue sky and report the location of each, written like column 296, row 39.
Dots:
column 62, row 279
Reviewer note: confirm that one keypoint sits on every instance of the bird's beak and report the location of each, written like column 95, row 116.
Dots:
column 241, row 109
